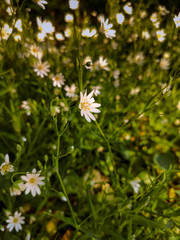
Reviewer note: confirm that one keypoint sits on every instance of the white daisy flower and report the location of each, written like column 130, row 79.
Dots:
column 36, row 51
column 177, row 20
column 15, row 222
column 6, row 166
column 102, row 63
column 120, row 18
column 128, row 8
column 58, row 80
column 135, row 185
column 32, row 181
column 70, row 91
column 106, row 28
column 69, row 17
column 87, row 105
column 26, row 106
column 164, row 63
column 41, row 3
column 160, row 35
column 5, row 32
column 42, row 69
column 14, row 191
column 88, row 33
column 73, row 4
column 45, row 26
column 96, row 90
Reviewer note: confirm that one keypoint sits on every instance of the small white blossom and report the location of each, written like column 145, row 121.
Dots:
column 45, row 27
column 70, row 91
column 87, row 105
column 41, row 68
column 33, row 180
column 106, row 28
column 160, row 35
column 26, row 106
column 88, row 33
column 102, row 63
column 58, row 80
column 69, row 17
column 41, row 3
column 128, row 8
column 6, row 166
column 135, row 185
column 164, row 63
column 14, row 190
column 5, row 32
column 120, row 18
column 96, row 90
column 36, row 51
column 73, row 4
column 177, row 20
column 15, row 222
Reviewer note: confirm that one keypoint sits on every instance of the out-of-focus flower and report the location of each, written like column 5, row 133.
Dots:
column 102, row 63
column 36, row 51
column 116, row 83
column 58, row 80
column 120, row 18
column 5, row 32
column 41, row 3
column 73, row 4
column 116, row 73
column 15, row 222
column 55, row 110
column 70, row 91
column 59, row 36
column 26, row 106
column 87, row 105
column 41, row 68
column 177, row 20
column 160, row 35
column 14, row 190
column 139, row 58
column 164, row 63
column 143, row 13
column 6, row 166
column 18, row 25
column 163, row 11
column 33, row 180
column 17, row 38
column 145, row 35
column 45, row 27
column 128, row 8
column 135, row 91
column 69, row 17
column 154, row 18
column 87, row 33
column 106, row 28
column 67, row 32
column 135, row 185
column 96, row 90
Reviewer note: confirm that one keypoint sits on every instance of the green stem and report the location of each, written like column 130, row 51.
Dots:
column 59, row 176
column 111, row 157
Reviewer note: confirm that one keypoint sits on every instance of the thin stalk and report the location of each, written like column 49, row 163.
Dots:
column 59, row 176
column 111, row 157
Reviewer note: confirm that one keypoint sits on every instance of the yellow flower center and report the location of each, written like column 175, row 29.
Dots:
column 40, row 67
column 57, row 79
column 32, row 180
column 85, row 106
column 5, row 168
column 15, row 220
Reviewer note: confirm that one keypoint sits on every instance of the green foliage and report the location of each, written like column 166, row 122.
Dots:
column 117, row 177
